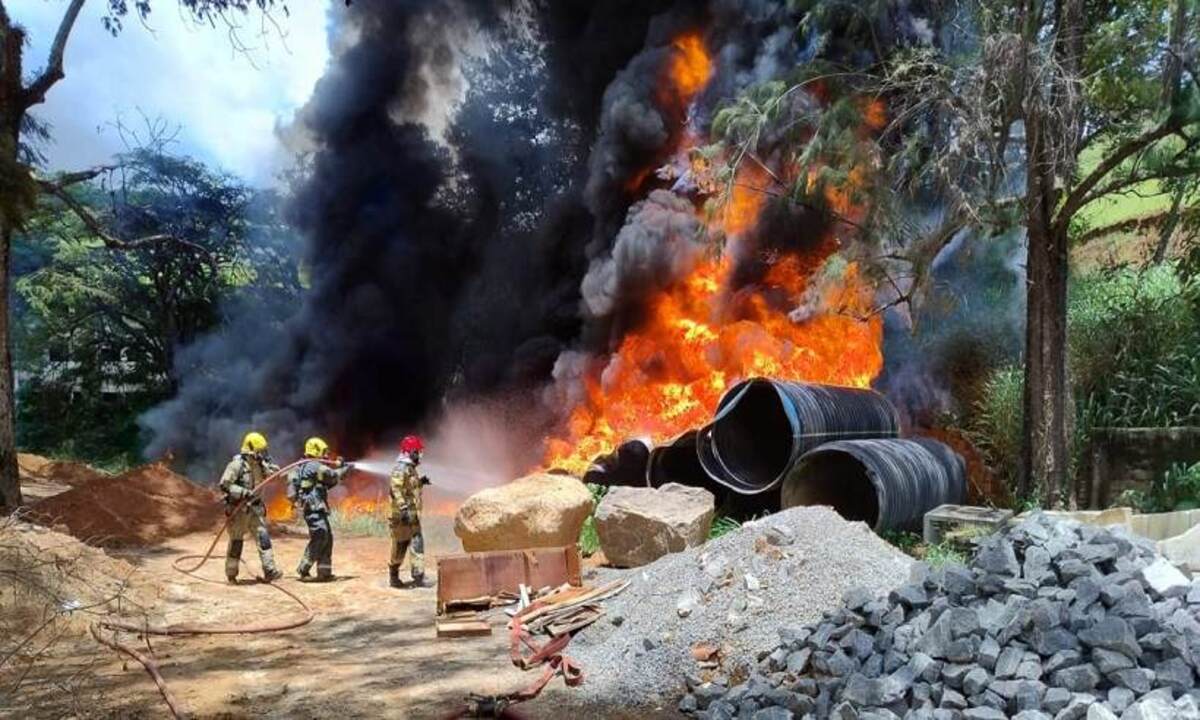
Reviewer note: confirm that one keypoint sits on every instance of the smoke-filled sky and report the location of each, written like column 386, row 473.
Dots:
column 228, row 104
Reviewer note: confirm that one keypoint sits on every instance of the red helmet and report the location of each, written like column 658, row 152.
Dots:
column 411, row 444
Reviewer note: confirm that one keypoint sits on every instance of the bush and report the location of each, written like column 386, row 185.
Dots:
column 997, row 424
column 1177, row 489
column 1132, row 340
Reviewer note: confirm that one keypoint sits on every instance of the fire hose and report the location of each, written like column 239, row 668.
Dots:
column 147, row 662
column 550, row 655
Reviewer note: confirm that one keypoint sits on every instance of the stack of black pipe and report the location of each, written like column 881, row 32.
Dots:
column 775, row 443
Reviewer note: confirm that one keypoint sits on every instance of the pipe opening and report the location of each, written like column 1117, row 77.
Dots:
column 755, row 435
column 836, row 479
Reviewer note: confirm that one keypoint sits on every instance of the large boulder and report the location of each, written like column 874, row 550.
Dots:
column 539, row 510
column 638, row 525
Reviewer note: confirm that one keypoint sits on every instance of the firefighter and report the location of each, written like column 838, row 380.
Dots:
column 245, row 472
column 308, row 488
column 406, row 486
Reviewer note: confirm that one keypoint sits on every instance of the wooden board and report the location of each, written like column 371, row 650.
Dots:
column 472, row 575
column 462, row 628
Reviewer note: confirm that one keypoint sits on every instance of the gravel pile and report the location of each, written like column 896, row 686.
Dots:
column 736, row 592
column 1050, row 620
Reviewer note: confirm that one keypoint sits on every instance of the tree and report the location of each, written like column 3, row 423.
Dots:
column 99, row 327
column 19, row 185
column 1023, row 116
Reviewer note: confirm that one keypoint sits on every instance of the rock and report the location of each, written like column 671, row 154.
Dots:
column 1031, row 715
column 1108, row 661
column 688, row 704
column 638, row 525
column 1150, row 709
column 1161, row 576
column 975, row 681
column 687, row 603
column 1139, row 680
column 797, row 661
column 1175, row 674
column 983, row 713
column 1080, row 678
column 911, row 596
column 989, row 652
column 1056, row 699
column 1112, row 633
column 539, row 510
column 772, row 713
column 1099, row 712
column 953, row 700
column 1008, row 662
column 1120, row 698
column 996, row 557
column 1063, row 659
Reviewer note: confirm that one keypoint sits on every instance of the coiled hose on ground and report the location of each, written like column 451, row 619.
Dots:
column 190, row 629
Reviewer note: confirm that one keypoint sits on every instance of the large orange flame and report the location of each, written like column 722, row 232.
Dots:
column 806, row 319
column 690, row 68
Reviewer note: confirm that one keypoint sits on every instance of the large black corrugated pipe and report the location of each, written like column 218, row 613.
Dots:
column 624, row 466
column 888, row 484
column 676, row 462
column 763, row 426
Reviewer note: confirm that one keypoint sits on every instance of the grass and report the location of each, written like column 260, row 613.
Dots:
column 722, row 525
column 589, row 540
column 358, row 523
column 949, row 551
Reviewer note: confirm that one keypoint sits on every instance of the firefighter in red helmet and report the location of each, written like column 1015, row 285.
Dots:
column 406, row 484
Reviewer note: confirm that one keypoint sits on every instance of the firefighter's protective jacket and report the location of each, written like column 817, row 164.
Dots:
column 406, row 491
column 309, row 483
column 244, row 473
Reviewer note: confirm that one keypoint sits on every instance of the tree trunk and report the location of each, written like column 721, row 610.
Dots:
column 10, row 482
column 12, row 40
column 1045, row 455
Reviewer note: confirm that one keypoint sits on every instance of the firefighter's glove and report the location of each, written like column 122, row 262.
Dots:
column 425, row 480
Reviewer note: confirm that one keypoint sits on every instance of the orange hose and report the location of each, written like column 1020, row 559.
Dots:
column 186, row 629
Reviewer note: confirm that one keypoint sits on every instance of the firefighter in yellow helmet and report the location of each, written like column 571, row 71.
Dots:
column 308, row 488
column 406, row 484
column 245, row 472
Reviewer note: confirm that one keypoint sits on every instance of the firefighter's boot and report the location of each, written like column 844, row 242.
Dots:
column 394, row 576
column 233, row 557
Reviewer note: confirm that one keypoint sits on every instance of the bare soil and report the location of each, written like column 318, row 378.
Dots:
column 371, row 651
column 146, row 505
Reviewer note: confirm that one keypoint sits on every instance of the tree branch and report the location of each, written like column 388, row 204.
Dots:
column 36, row 92
column 1076, row 199
column 97, row 228
column 64, row 180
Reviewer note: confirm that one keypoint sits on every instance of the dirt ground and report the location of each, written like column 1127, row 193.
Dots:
column 370, row 652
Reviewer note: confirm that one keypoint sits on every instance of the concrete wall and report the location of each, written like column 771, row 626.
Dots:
column 1120, row 459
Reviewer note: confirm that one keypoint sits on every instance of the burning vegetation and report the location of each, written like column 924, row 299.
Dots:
column 804, row 316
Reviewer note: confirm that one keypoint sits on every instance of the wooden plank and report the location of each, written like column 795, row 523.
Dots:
column 472, row 575
column 462, row 628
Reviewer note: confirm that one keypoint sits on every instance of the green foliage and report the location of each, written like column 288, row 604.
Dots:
column 722, row 525
column 97, row 324
column 944, row 554
column 1177, row 489
column 589, row 541
column 906, row 542
column 1133, row 336
column 997, row 423
column 1133, row 340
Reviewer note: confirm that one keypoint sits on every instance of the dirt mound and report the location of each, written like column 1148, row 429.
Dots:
column 62, row 472
column 144, row 506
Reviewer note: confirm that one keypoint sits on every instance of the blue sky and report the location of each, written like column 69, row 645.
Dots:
column 228, row 104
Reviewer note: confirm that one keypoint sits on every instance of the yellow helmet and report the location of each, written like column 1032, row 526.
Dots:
column 315, row 447
column 254, row 442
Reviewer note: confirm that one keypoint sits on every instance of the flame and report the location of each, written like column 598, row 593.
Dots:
column 690, row 67
column 360, row 494
column 667, row 376
column 802, row 320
